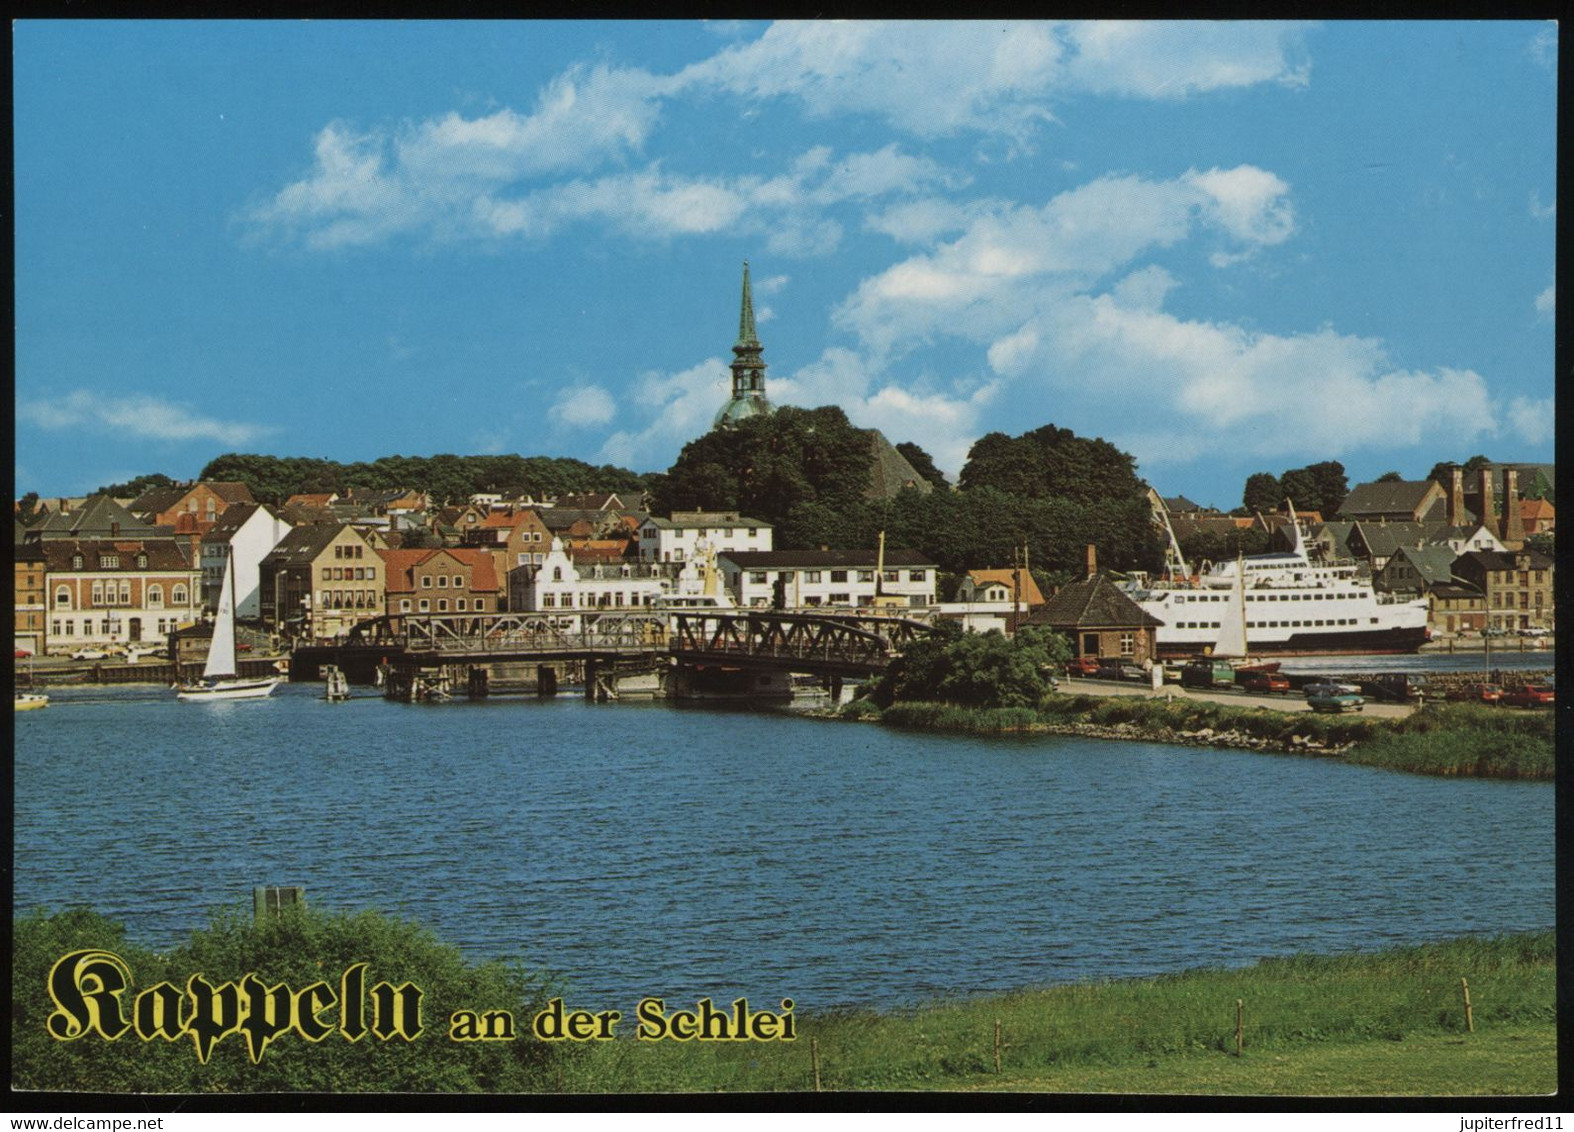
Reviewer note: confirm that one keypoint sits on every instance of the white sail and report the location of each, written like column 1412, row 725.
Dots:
column 1232, row 620
column 221, row 653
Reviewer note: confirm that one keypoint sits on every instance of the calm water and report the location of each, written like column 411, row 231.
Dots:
column 646, row 849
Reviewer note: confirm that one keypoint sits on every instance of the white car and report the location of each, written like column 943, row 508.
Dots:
column 90, row 653
column 135, row 654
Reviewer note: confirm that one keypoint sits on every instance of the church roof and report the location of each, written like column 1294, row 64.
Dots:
column 890, row 471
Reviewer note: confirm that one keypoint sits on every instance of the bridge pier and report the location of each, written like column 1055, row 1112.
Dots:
column 546, row 679
column 478, row 683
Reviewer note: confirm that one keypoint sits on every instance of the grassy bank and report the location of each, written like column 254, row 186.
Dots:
column 1397, row 1014
column 1439, row 739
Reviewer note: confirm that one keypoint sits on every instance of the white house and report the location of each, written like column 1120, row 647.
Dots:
column 810, row 579
column 680, row 538
column 246, row 532
column 558, row 586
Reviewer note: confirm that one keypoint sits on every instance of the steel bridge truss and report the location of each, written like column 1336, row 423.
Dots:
column 809, row 642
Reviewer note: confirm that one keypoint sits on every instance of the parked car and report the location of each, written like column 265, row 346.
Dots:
column 1531, row 695
column 1478, row 693
column 1494, row 631
column 1204, row 672
column 1537, row 631
column 1335, row 703
column 23, row 654
column 135, row 653
column 90, row 653
column 1267, row 683
column 1082, row 666
column 1330, row 688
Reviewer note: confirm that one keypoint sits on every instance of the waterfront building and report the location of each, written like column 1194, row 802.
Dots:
column 748, row 367
column 117, row 592
column 1100, row 621
column 815, row 579
column 440, row 580
column 28, row 626
column 681, row 536
column 1396, row 501
column 98, row 517
column 321, row 580
column 563, row 587
column 246, row 532
column 1517, row 586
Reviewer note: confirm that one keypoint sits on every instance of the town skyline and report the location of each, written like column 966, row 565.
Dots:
column 358, row 240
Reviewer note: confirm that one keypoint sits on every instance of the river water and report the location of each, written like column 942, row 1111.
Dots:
column 642, row 849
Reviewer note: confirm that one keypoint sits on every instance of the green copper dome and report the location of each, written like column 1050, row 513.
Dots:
column 748, row 368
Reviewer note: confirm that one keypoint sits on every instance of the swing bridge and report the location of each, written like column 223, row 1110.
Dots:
column 416, row 655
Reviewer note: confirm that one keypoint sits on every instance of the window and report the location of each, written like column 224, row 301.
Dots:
column 62, row 598
column 178, row 595
column 866, row 575
column 840, row 599
column 549, row 601
column 109, row 561
column 125, row 593
column 442, row 581
column 142, row 562
column 838, row 576
column 919, row 575
column 442, row 605
column 327, row 573
column 480, row 605
column 425, row 606
column 404, row 605
column 892, row 576
column 76, row 562
column 811, row 576
column 757, row 577
column 1128, row 644
column 371, row 573
column 460, row 605
column 426, row 581
column 98, row 593
column 155, row 596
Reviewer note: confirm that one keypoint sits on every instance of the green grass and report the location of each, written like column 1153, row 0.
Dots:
column 1309, row 1021
column 1439, row 739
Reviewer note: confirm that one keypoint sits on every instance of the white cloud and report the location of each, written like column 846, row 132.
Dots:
column 139, row 417
column 680, row 406
column 988, row 280
column 1532, row 419
column 1543, row 47
column 1542, row 211
column 583, row 406
column 1547, row 303
column 1156, row 59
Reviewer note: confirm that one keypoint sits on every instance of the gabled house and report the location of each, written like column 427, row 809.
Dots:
column 117, row 591
column 1376, row 542
column 243, row 535
column 203, row 501
column 1398, row 501
column 440, row 580
column 1518, row 586
column 1014, row 586
column 567, row 589
column 99, row 517
column 1100, row 621
column 1538, row 516
column 1415, row 570
column 678, row 537
column 320, row 580
column 814, row 579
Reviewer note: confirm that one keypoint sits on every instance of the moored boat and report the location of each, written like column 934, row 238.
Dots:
column 219, row 679
column 29, row 701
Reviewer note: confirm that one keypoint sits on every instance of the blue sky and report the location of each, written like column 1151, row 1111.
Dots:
column 1226, row 248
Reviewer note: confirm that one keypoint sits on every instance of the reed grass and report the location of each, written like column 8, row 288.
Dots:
column 1385, row 996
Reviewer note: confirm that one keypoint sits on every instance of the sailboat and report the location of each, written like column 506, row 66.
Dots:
column 219, row 680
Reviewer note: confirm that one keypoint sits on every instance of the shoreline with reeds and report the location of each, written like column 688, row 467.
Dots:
column 1448, row 740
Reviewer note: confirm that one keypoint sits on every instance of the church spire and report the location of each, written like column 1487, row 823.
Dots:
column 748, row 367
column 746, row 335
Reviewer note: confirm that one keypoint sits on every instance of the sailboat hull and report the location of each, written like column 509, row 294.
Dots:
column 230, row 689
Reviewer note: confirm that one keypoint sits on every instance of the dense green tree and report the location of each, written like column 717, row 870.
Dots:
column 135, row 487
column 1216, row 546
column 976, row 669
column 27, row 508
column 923, row 464
column 1299, row 487
column 1332, row 486
column 1545, row 542
column 1263, row 492
column 768, row 466
column 297, row 948
column 1052, row 462
column 1390, row 477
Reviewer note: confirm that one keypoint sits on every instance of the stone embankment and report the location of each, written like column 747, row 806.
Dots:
column 1205, row 737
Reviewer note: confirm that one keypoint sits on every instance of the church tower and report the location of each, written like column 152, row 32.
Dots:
column 748, row 370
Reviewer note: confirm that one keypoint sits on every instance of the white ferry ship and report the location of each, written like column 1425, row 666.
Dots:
column 1290, row 606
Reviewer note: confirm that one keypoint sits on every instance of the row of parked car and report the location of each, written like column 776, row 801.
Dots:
column 1528, row 695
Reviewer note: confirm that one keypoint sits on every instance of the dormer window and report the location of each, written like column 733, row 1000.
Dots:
column 142, row 562
column 109, row 562
column 76, row 562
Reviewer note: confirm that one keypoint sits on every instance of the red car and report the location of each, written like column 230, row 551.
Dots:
column 1083, row 666
column 1478, row 694
column 1266, row 682
column 22, row 654
column 1531, row 695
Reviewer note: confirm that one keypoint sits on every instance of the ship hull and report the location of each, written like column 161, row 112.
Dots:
column 1397, row 640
